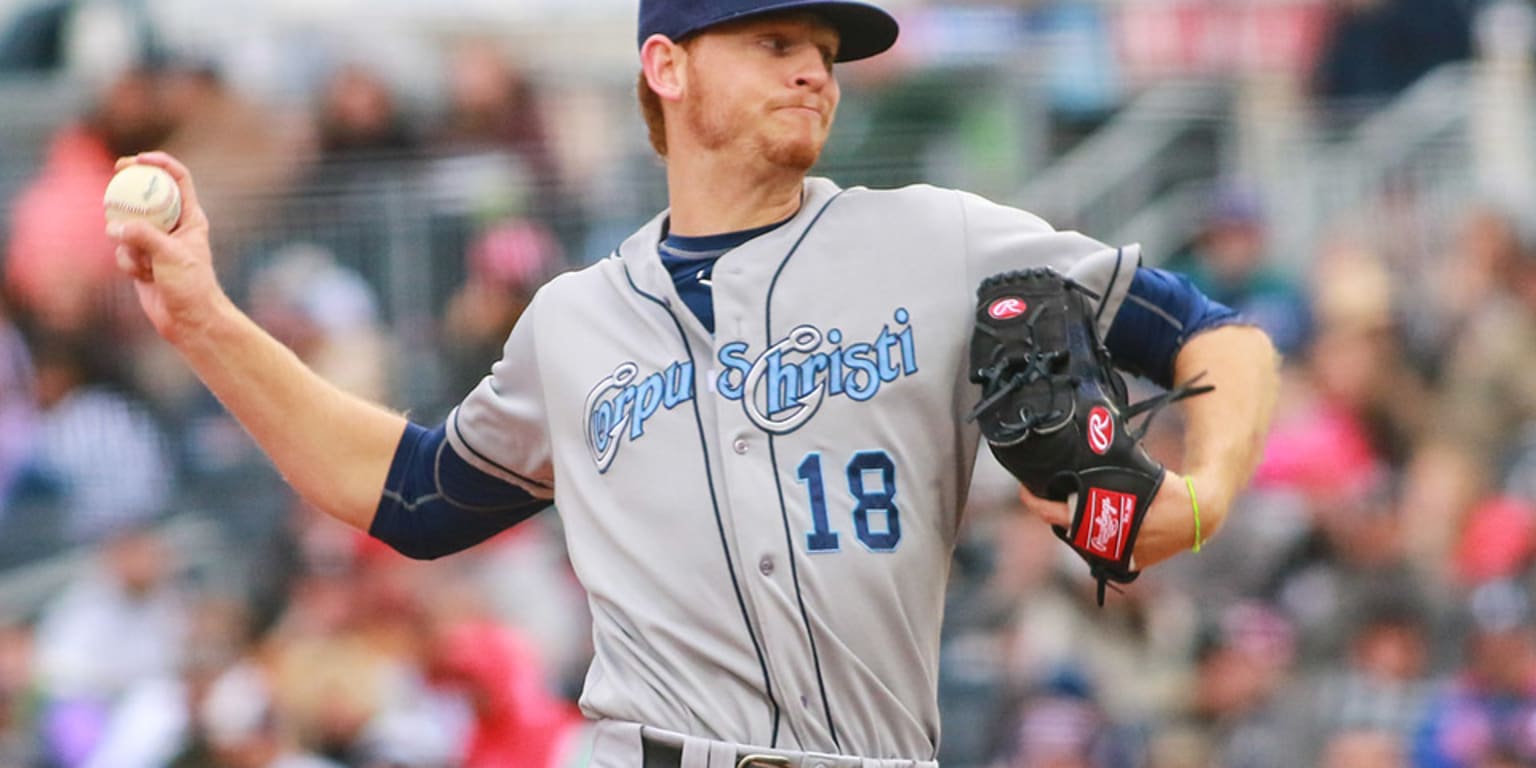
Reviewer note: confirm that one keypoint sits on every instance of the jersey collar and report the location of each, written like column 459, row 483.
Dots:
column 642, row 257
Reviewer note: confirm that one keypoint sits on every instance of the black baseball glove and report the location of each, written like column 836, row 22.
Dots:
column 1055, row 413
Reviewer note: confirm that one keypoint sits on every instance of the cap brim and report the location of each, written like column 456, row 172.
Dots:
column 863, row 29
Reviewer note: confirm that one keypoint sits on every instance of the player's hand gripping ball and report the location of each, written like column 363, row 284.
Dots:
column 143, row 193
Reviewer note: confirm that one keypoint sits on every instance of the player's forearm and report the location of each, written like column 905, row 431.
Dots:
column 1226, row 428
column 334, row 448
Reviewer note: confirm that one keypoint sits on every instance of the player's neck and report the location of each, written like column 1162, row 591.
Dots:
column 714, row 198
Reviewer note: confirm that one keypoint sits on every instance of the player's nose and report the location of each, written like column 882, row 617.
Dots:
column 812, row 71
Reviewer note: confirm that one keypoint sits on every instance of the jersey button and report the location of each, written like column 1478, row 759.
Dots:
column 740, row 445
column 765, row 565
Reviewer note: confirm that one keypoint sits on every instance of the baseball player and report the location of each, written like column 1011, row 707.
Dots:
column 750, row 415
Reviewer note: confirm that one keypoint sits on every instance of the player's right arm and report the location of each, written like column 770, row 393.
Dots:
column 334, row 448
column 357, row 461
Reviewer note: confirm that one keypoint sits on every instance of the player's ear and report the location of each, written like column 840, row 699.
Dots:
column 663, row 63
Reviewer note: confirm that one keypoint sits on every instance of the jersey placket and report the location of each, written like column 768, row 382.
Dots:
column 751, row 499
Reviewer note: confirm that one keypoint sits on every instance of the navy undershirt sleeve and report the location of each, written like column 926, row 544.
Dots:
column 434, row 503
column 1161, row 311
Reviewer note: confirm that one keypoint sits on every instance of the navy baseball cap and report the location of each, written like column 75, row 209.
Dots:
column 864, row 29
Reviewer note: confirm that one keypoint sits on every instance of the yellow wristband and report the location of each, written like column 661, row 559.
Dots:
column 1190, row 484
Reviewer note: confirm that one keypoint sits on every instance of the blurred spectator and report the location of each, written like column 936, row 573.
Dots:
column 382, row 659
column 99, row 461
column 115, row 626
column 1359, row 360
column 19, row 733
column 1376, row 694
column 1059, row 725
column 1379, row 47
column 18, row 406
column 1364, row 749
column 1497, row 542
column 247, row 156
column 154, row 725
column 327, row 677
column 549, row 609
column 243, row 729
column 1233, row 716
column 97, row 452
column 363, row 166
column 60, row 270
column 327, row 314
column 1229, row 263
column 492, row 160
column 1490, row 394
column 1353, row 406
column 506, row 264
column 516, row 720
column 494, row 107
column 1487, row 400
column 1484, row 716
column 1486, row 250
column 359, row 119
column 1354, row 557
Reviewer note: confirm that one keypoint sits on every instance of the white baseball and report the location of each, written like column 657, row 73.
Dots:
column 143, row 193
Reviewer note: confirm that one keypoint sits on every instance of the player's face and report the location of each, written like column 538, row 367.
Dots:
column 764, row 86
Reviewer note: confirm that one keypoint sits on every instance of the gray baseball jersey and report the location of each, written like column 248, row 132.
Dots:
column 763, row 517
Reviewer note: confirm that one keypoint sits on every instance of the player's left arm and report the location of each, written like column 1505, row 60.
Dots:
column 1224, row 435
column 1170, row 332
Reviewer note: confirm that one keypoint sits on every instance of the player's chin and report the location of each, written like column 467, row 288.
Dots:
column 799, row 153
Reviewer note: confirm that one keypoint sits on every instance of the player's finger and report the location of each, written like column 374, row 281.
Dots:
column 178, row 172
column 140, row 237
column 1053, row 512
column 134, row 264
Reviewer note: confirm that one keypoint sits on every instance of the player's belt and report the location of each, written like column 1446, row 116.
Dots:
column 663, row 749
column 658, row 755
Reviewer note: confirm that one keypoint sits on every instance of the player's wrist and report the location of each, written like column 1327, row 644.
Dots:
column 208, row 321
column 1214, row 497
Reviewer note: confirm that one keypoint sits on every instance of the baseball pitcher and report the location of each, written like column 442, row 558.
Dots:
column 759, row 414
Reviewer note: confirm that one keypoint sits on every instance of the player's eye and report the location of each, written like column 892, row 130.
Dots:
column 775, row 44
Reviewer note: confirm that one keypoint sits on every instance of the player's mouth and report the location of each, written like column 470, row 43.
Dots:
column 800, row 112
column 814, row 109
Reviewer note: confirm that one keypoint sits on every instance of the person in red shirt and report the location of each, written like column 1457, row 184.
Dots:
column 60, row 262
column 517, row 719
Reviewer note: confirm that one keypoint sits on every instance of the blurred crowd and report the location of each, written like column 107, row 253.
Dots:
column 1368, row 605
column 283, row 639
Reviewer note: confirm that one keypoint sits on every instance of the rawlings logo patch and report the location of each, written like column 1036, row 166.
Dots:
column 1101, row 429
column 1007, row 308
column 1106, row 523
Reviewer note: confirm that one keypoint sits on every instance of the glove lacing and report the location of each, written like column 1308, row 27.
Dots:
column 1002, row 378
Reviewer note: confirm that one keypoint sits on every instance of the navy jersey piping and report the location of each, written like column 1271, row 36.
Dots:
column 730, row 562
column 1159, row 311
column 1098, row 317
column 493, row 462
column 437, row 478
column 773, row 458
